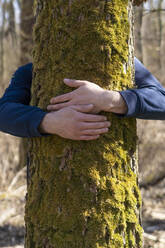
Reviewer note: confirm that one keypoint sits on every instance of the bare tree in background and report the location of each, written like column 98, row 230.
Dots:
column 160, row 27
column 2, row 29
column 26, row 41
column 27, row 21
column 138, row 32
column 7, row 28
column 11, row 21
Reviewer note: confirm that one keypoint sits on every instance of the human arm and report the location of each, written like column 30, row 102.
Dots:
column 20, row 119
column 89, row 93
column 75, row 123
column 147, row 101
column 16, row 116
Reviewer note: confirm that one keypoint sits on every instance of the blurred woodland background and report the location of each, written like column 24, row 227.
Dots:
column 16, row 21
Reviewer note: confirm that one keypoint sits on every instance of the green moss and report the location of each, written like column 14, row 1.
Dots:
column 83, row 194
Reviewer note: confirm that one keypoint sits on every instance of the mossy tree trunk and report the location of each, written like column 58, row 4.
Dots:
column 83, row 194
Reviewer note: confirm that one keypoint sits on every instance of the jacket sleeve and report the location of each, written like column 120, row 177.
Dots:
column 16, row 116
column 147, row 101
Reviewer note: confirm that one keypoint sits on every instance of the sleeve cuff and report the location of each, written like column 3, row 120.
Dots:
column 37, row 118
column 131, row 100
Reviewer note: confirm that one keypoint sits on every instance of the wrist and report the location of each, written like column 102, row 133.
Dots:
column 114, row 102
column 45, row 124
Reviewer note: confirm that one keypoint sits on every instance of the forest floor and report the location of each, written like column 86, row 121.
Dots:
column 12, row 216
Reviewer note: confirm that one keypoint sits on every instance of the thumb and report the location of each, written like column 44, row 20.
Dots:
column 73, row 83
column 85, row 108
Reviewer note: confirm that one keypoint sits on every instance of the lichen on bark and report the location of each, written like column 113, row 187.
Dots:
column 83, row 194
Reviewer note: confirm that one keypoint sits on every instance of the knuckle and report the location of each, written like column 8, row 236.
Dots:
column 78, row 117
column 52, row 100
column 80, row 125
column 77, row 129
column 81, row 116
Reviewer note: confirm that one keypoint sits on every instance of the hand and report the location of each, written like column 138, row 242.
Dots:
column 86, row 93
column 74, row 123
column 89, row 93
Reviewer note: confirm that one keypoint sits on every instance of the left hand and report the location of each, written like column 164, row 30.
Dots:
column 86, row 93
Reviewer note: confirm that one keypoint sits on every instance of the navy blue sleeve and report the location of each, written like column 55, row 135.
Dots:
column 147, row 101
column 16, row 116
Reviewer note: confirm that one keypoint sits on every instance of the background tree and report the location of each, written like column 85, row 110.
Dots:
column 26, row 44
column 26, row 28
column 139, row 11
column 83, row 194
column 3, row 10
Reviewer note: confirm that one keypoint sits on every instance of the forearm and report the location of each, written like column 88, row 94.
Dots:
column 20, row 120
column 145, row 103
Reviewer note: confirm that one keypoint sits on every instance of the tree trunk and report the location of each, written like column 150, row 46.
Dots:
column 162, row 49
column 150, row 40
column 26, row 28
column 138, row 32
column 27, row 21
column 83, row 194
column 3, row 6
column 12, row 25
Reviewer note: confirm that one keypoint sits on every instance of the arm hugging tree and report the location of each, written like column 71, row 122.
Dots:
column 83, row 194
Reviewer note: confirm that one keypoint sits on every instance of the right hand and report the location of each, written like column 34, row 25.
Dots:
column 75, row 123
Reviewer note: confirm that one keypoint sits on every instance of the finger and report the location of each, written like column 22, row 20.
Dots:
column 88, row 137
column 90, row 117
column 58, row 106
column 95, row 131
column 61, row 98
column 95, row 125
column 74, row 83
column 84, row 108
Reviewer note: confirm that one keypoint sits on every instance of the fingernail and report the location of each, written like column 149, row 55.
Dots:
column 66, row 79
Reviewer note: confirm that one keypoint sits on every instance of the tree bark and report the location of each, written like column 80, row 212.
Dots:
column 83, row 194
